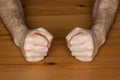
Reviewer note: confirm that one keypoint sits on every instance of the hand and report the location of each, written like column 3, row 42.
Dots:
column 35, row 44
column 83, row 44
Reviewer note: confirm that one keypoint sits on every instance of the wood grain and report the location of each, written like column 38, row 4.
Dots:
column 59, row 17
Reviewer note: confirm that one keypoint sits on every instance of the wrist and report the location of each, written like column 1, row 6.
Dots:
column 100, row 33
column 19, row 36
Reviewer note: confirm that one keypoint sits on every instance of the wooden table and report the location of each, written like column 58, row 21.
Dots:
column 59, row 17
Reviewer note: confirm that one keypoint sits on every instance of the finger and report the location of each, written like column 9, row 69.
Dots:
column 47, row 34
column 35, row 55
column 72, row 33
column 36, row 40
column 80, row 39
column 87, row 59
column 82, row 54
column 34, row 59
column 39, row 40
column 80, row 48
column 36, row 49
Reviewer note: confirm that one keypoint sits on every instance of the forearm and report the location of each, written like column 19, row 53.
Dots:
column 105, row 11
column 12, row 15
column 104, row 14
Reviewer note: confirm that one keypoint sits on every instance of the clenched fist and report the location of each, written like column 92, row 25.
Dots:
column 83, row 44
column 35, row 44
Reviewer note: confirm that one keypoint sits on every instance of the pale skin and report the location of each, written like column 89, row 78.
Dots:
column 35, row 43
column 83, row 43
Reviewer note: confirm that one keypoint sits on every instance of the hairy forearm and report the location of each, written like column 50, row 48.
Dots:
column 12, row 15
column 104, row 14
column 105, row 11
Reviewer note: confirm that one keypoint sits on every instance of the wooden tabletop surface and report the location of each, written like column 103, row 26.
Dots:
column 59, row 17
